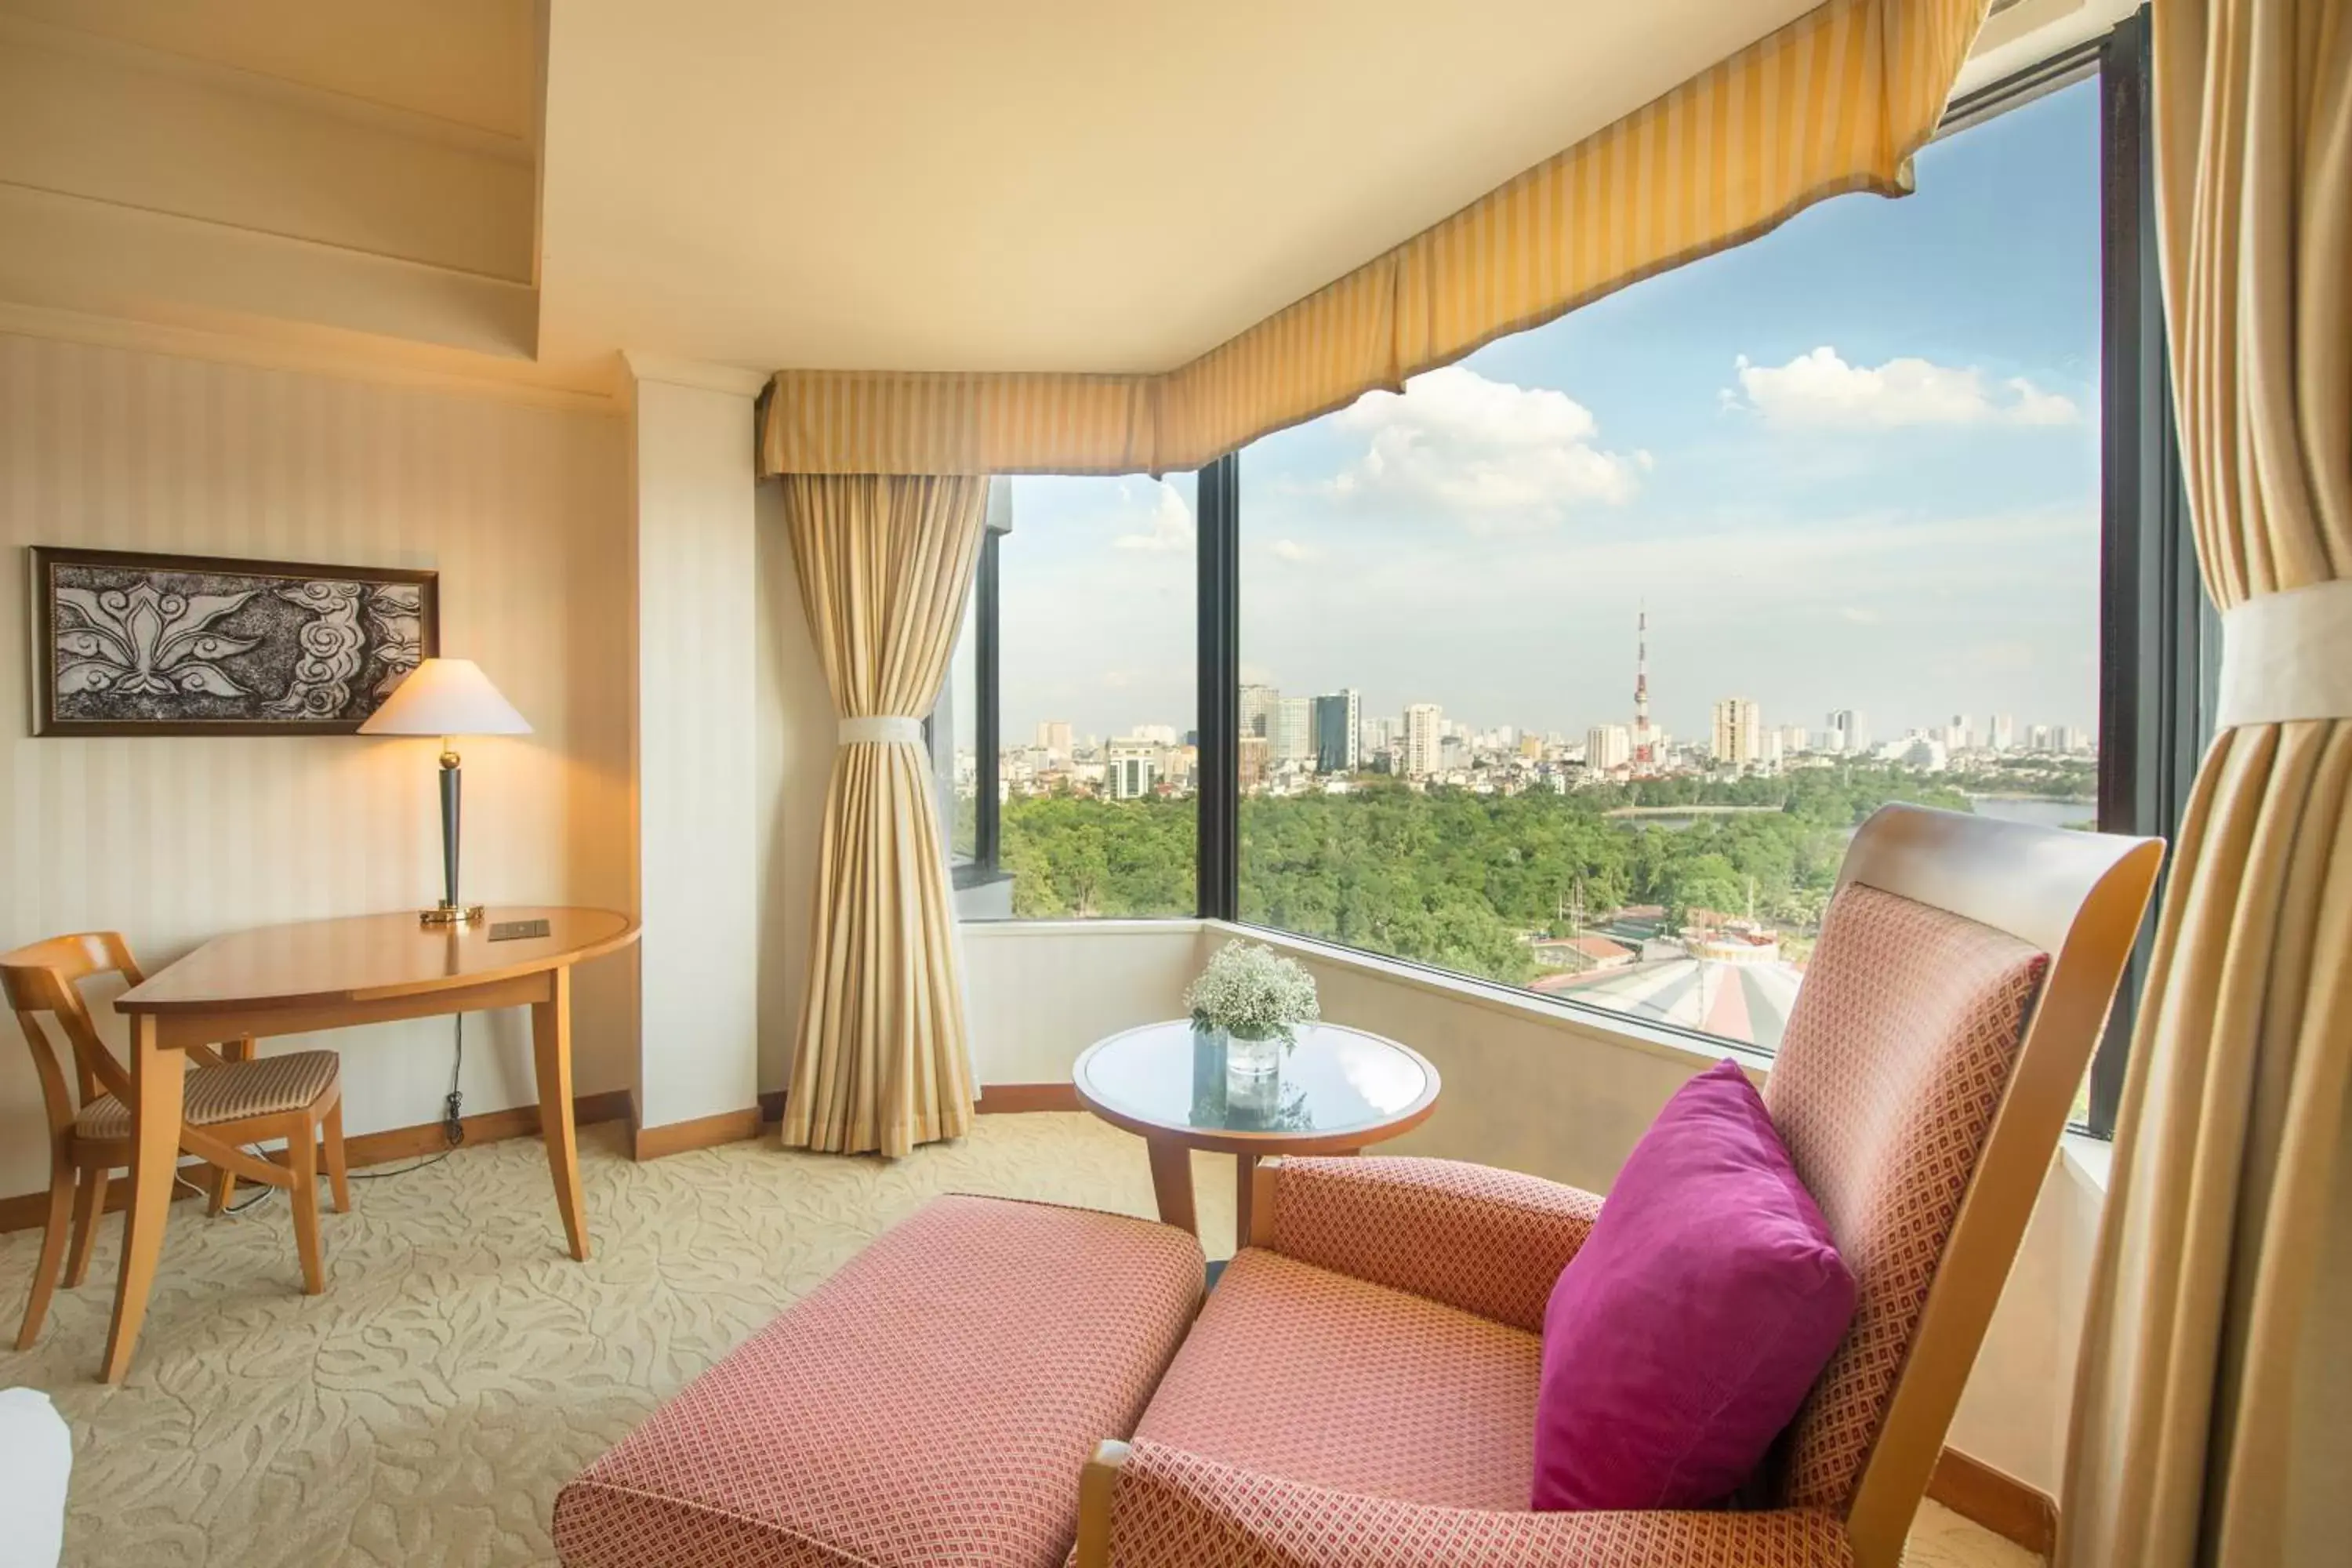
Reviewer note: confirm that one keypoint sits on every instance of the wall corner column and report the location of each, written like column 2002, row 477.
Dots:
column 694, row 753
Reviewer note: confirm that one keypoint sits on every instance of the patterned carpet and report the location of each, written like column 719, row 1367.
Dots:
column 460, row 1368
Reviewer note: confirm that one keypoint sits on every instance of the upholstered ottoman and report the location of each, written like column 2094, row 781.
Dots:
column 931, row 1404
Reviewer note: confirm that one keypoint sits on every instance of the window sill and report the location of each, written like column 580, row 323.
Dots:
column 1589, row 1024
column 2091, row 1161
column 1157, row 925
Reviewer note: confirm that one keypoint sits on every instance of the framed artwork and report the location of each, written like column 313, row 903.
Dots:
column 133, row 644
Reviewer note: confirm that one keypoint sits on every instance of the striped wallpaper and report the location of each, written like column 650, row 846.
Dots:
column 1835, row 101
column 524, row 512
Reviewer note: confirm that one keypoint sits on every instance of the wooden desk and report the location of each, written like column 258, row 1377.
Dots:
column 334, row 974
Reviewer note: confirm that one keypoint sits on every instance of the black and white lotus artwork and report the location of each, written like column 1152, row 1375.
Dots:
column 178, row 645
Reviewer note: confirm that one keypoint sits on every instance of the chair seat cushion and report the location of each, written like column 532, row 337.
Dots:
column 1312, row 1377
column 934, row 1402
column 227, row 1093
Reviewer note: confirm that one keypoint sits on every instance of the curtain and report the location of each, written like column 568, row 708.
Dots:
column 2213, row 1401
column 884, row 1057
column 1835, row 101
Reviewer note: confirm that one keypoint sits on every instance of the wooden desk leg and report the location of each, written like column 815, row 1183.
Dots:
column 1245, row 1165
column 551, row 1049
column 157, row 1082
column 1171, row 1182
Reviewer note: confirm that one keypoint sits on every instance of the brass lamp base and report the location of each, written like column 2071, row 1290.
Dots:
column 449, row 915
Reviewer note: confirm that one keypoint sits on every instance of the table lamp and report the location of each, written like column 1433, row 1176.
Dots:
column 446, row 697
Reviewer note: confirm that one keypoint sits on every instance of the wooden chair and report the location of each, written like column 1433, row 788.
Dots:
column 231, row 1102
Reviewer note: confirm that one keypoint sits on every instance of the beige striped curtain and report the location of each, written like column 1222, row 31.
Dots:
column 884, row 1059
column 1837, row 101
column 2213, row 1405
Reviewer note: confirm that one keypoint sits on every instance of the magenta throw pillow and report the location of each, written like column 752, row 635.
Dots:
column 1692, row 1323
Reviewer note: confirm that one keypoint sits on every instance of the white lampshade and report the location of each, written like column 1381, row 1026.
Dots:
column 445, row 697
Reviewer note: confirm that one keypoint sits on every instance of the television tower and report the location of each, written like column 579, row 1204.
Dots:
column 1644, row 747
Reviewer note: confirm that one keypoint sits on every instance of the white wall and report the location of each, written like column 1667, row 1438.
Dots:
column 1039, row 992
column 524, row 513
column 697, row 750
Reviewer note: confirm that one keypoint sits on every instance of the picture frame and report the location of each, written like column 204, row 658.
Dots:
column 134, row 643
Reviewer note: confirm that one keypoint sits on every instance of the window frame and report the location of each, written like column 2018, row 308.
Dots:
column 2159, row 635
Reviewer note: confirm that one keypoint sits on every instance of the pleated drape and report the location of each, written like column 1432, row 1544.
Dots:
column 1836, row 100
column 884, row 1059
column 2214, row 1391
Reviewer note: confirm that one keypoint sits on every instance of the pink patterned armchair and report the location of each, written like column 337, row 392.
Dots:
column 1360, row 1387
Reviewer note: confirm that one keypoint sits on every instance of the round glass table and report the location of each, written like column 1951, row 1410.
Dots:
column 1332, row 1090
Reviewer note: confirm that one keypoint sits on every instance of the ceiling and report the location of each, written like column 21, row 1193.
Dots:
column 473, row 63
column 523, row 189
column 1058, row 185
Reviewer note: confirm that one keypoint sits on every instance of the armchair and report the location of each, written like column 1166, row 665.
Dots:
column 1360, row 1388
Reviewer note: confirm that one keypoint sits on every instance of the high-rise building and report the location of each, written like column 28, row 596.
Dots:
column 1645, row 743
column 1250, row 763
column 1339, row 719
column 1961, row 736
column 1132, row 765
column 1373, row 737
column 1738, row 731
column 1794, row 740
column 1292, row 736
column 1424, row 731
column 2001, row 732
column 1053, row 739
column 1608, row 746
column 1851, row 729
column 1158, row 734
column 1257, row 705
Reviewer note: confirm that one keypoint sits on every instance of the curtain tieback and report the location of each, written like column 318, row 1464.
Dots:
column 2286, row 657
column 878, row 732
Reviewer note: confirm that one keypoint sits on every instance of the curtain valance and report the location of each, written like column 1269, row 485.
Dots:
column 1835, row 101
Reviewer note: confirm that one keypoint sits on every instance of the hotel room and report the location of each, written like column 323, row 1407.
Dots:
column 866, row 787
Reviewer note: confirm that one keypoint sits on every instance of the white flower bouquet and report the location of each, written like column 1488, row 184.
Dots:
column 1252, row 993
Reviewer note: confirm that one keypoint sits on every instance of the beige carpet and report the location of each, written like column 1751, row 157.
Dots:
column 425, row 1410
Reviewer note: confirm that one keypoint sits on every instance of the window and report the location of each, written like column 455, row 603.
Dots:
column 1575, row 665
column 1640, row 613
column 1086, row 593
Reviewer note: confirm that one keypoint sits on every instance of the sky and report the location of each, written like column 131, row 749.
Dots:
column 1854, row 464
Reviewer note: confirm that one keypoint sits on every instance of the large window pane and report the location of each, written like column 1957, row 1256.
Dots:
column 1575, row 665
column 1095, row 696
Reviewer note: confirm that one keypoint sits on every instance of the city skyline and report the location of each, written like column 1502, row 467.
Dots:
column 1262, row 700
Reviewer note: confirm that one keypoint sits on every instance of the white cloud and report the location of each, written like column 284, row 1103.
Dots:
column 1290, row 553
column 1168, row 528
column 2035, row 406
column 1482, row 451
column 1820, row 391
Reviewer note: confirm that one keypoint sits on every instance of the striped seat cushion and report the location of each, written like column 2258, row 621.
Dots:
column 229, row 1093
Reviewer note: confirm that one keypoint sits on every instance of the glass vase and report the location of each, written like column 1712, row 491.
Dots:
column 1252, row 1055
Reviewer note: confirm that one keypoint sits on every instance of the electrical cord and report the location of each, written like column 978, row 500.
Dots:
column 453, row 1125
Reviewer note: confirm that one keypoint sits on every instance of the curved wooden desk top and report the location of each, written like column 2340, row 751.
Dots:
column 368, row 958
